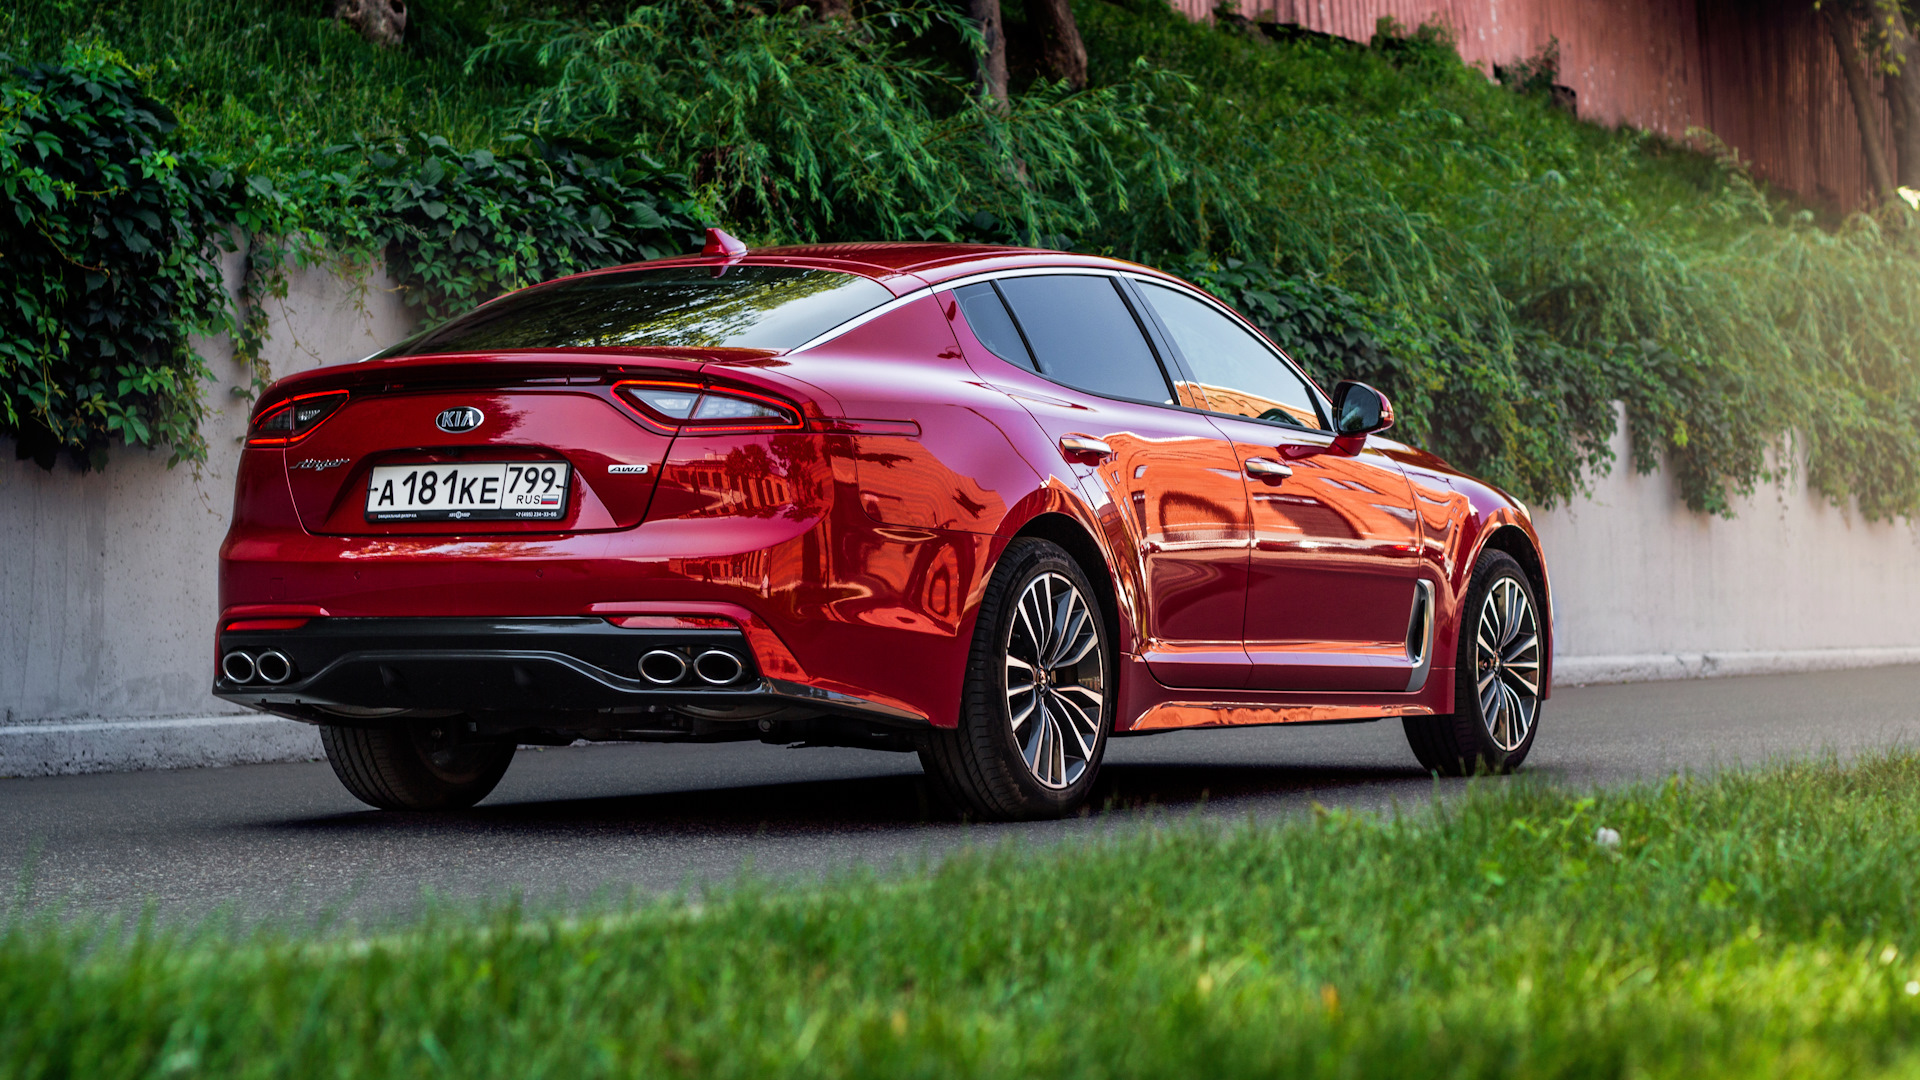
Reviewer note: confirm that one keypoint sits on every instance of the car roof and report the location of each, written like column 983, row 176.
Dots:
column 903, row 267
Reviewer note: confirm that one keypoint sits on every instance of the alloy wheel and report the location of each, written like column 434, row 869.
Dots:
column 1507, row 664
column 1055, row 679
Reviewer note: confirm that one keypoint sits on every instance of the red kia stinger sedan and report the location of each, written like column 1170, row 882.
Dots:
column 994, row 506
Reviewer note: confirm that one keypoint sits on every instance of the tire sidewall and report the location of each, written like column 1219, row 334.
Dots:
column 1494, row 567
column 989, row 711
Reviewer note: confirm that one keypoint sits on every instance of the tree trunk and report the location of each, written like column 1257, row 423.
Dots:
column 832, row 9
column 1063, row 56
column 383, row 22
column 993, row 61
column 1841, row 27
column 1903, row 94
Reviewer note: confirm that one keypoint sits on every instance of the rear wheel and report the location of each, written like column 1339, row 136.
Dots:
column 1037, row 707
column 1496, row 707
column 415, row 764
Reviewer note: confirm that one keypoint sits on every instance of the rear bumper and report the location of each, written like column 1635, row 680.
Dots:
column 560, row 672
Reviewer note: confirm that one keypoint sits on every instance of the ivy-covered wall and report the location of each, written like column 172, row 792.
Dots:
column 108, row 580
column 114, row 239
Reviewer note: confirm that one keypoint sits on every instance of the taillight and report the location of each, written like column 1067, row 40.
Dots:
column 685, row 406
column 672, row 622
column 294, row 419
column 265, row 624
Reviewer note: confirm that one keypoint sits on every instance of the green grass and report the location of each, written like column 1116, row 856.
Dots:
column 1749, row 924
column 239, row 72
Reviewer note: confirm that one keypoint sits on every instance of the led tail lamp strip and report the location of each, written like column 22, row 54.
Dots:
column 294, row 419
column 691, row 407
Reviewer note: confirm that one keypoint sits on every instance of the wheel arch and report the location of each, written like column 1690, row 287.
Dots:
column 1513, row 540
column 1078, row 543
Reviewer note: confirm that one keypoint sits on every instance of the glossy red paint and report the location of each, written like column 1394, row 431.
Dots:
column 1335, row 555
column 851, row 546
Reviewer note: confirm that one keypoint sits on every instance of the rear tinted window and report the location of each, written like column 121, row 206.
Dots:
column 1084, row 335
column 749, row 307
column 987, row 318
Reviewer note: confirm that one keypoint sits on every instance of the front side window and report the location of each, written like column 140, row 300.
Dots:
column 1082, row 334
column 1238, row 374
column 743, row 307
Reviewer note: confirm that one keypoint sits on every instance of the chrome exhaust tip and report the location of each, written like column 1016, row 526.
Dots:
column 718, row 667
column 663, row 667
column 273, row 667
column 237, row 667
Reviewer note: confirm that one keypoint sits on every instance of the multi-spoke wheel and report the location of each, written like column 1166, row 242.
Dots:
column 1037, row 710
column 1506, row 664
column 1497, row 680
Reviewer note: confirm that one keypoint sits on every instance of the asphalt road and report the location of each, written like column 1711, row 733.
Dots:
column 592, row 825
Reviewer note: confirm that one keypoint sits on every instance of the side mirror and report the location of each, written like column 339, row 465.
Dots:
column 1359, row 410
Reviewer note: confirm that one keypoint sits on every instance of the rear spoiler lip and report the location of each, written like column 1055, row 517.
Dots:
column 545, row 367
column 743, row 368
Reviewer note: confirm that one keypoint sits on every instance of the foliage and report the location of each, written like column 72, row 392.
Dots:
column 114, row 264
column 1748, row 924
column 1385, row 210
column 456, row 228
column 242, row 71
column 818, row 129
column 108, row 237
column 1524, row 269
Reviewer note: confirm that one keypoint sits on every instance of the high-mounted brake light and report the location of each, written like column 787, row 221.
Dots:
column 691, row 407
column 294, row 419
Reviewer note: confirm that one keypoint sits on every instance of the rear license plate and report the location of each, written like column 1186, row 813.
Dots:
column 469, row 491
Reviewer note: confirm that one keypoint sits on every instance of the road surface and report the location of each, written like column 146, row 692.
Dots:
column 593, row 825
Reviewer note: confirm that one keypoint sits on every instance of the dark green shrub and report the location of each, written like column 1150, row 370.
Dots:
column 803, row 129
column 457, row 227
column 110, row 264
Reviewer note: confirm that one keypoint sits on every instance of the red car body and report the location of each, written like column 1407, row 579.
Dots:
column 844, row 544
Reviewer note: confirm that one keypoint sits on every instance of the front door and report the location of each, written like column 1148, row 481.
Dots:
column 1168, row 477
column 1331, row 579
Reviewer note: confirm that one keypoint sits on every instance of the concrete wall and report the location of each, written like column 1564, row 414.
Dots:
column 1644, row 588
column 107, row 584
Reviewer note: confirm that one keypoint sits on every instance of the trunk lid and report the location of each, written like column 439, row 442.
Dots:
column 483, row 447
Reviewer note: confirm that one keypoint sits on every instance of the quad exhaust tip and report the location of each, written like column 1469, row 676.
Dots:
column 663, row 667
column 718, row 667
column 273, row 667
column 238, row 667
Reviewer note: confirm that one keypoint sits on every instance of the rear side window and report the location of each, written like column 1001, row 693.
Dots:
column 1083, row 335
column 746, row 307
column 988, row 319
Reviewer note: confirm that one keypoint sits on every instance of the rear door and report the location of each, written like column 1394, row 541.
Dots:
column 1331, row 581
column 1077, row 358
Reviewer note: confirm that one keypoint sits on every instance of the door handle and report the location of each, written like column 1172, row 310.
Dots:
column 1268, row 469
column 1084, row 449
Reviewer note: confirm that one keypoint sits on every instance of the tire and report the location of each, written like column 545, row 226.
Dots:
column 1020, row 754
column 414, row 765
column 1494, row 720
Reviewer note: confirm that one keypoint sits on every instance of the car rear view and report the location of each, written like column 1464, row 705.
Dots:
column 483, row 536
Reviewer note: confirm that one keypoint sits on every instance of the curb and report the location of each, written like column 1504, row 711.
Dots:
column 1657, row 667
column 59, row 749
